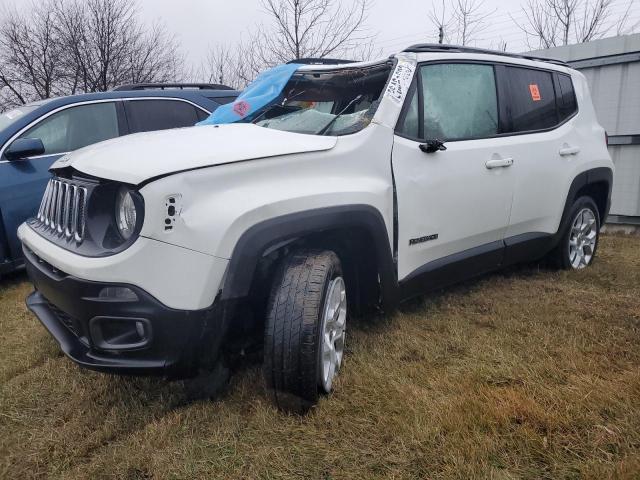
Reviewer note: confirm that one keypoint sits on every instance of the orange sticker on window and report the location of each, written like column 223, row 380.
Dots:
column 535, row 92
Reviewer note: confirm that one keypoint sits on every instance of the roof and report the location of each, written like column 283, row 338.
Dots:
column 195, row 96
column 171, row 86
column 444, row 48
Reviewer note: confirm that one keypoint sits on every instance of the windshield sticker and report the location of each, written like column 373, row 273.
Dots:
column 400, row 81
column 535, row 92
column 241, row 108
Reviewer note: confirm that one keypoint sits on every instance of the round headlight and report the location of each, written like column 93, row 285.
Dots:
column 125, row 213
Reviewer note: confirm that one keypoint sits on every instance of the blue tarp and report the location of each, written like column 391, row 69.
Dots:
column 262, row 91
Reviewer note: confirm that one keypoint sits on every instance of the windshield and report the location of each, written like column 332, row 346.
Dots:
column 10, row 116
column 336, row 102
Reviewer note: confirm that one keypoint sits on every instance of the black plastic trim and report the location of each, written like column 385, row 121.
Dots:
column 176, row 346
column 527, row 247
column 440, row 48
column 448, row 270
column 261, row 237
column 588, row 177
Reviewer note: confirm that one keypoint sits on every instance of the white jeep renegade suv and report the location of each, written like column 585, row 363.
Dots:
column 363, row 184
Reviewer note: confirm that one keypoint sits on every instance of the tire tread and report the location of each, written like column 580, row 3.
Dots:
column 292, row 328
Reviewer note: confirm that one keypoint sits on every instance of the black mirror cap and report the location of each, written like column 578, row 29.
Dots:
column 433, row 146
column 23, row 148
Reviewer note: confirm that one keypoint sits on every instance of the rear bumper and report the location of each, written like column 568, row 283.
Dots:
column 149, row 338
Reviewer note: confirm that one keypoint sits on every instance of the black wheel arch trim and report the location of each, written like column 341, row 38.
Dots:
column 274, row 232
column 584, row 179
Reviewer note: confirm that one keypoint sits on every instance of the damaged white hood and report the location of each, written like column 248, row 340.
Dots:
column 135, row 158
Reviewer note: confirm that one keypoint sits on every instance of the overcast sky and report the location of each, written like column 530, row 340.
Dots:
column 199, row 24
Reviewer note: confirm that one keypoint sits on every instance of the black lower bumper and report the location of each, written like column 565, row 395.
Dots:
column 135, row 335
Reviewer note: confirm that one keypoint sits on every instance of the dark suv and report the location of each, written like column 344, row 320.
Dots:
column 34, row 136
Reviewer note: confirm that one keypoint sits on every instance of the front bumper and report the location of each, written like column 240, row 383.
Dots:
column 160, row 341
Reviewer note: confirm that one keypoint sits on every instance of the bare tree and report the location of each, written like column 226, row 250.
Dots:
column 441, row 21
column 296, row 29
column 30, row 55
column 623, row 27
column 469, row 17
column 107, row 45
column 63, row 47
column 311, row 28
column 551, row 23
column 228, row 66
column 464, row 24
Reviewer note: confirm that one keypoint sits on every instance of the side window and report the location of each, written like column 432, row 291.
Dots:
column 533, row 103
column 409, row 125
column 151, row 115
column 460, row 101
column 201, row 114
column 76, row 127
column 567, row 104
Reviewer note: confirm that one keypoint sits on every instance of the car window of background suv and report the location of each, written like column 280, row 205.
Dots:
column 76, row 127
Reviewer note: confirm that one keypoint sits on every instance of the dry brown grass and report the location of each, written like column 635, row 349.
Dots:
column 523, row 374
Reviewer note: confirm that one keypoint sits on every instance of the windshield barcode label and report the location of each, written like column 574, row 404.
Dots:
column 400, row 81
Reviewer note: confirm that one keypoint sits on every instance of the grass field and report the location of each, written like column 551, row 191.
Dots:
column 523, row 374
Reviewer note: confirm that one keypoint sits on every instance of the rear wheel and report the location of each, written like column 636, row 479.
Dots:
column 305, row 329
column 579, row 243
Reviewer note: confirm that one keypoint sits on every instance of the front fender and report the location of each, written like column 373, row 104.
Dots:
column 277, row 231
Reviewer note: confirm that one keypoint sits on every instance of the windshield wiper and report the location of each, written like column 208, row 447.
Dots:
column 328, row 126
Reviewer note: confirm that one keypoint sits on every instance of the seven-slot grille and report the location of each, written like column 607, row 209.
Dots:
column 63, row 208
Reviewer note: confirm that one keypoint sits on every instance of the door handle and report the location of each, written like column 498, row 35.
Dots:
column 568, row 151
column 500, row 163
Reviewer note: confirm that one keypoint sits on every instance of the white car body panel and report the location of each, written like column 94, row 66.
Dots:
column 220, row 204
column 139, row 157
column 156, row 267
column 450, row 194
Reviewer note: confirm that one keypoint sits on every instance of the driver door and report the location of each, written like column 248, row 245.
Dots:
column 453, row 205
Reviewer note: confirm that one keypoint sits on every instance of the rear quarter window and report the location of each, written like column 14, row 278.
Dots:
column 567, row 104
column 152, row 115
column 532, row 99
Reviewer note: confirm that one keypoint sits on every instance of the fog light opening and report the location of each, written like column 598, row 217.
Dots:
column 110, row 333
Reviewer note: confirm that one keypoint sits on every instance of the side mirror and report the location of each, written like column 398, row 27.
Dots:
column 23, row 148
column 433, row 146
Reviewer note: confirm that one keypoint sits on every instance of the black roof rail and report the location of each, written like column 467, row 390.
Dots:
column 321, row 61
column 437, row 47
column 170, row 86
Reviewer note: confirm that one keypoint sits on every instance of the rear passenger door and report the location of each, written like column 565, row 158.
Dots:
column 546, row 145
column 147, row 115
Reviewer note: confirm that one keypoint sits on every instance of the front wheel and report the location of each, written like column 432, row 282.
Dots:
column 579, row 242
column 305, row 329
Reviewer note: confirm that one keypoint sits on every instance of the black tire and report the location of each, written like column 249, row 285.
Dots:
column 293, row 338
column 560, row 256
